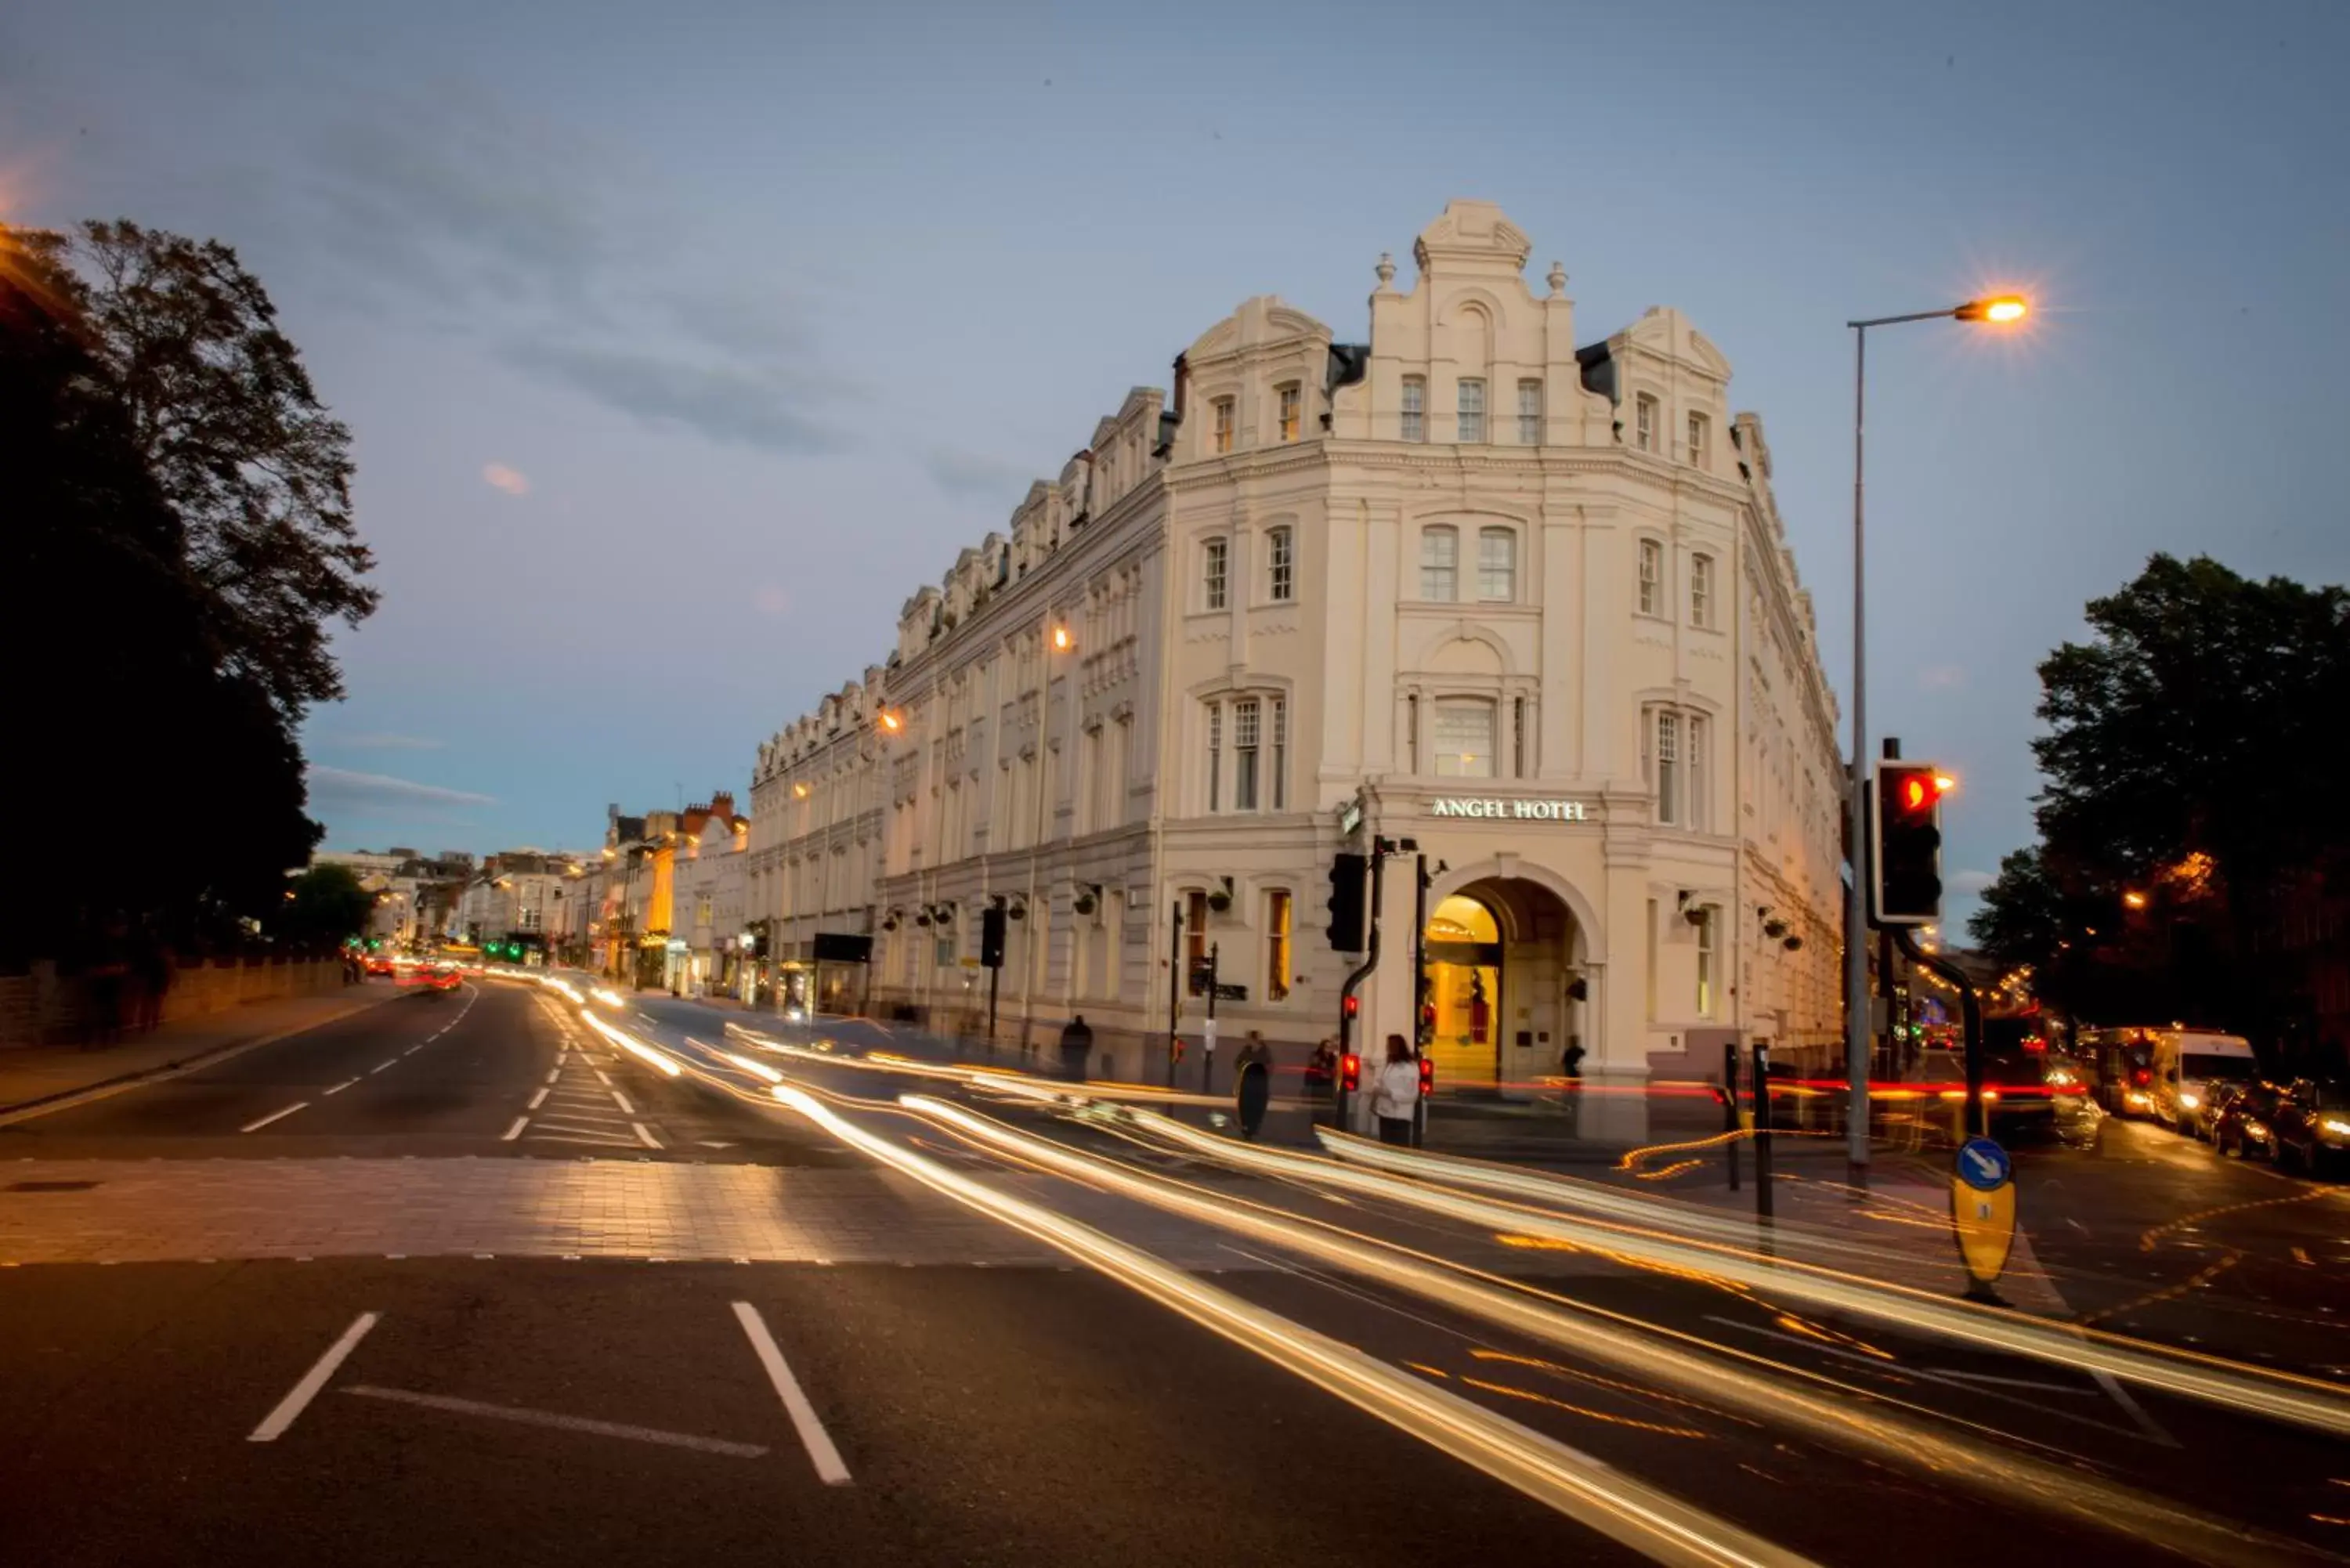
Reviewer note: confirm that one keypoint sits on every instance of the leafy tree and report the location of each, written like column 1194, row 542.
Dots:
column 324, row 905
column 231, row 427
column 2194, row 745
column 146, row 778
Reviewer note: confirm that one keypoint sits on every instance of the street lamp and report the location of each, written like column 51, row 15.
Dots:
column 1997, row 309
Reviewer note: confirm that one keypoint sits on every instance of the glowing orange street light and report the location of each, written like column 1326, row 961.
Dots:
column 1061, row 639
column 2000, row 309
column 1944, row 784
column 2135, row 900
column 891, row 721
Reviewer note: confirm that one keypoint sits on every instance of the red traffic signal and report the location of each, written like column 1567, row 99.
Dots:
column 1427, row 1078
column 1905, row 862
column 1350, row 1072
column 1353, row 1006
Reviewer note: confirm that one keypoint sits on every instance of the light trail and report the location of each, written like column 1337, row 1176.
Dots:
column 1584, row 1489
column 2281, row 1396
column 659, row 1060
column 1874, row 1423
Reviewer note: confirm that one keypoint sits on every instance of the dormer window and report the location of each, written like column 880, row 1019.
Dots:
column 1220, row 438
column 1470, row 394
column 1700, row 437
column 1644, row 422
column 1291, row 401
column 1415, row 408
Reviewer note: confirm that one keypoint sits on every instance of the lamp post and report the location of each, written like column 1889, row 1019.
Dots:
column 2001, row 310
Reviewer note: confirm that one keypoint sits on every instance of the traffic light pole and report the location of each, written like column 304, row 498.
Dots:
column 1353, row 981
column 1175, row 993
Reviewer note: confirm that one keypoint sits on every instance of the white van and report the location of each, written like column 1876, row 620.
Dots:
column 2188, row 1065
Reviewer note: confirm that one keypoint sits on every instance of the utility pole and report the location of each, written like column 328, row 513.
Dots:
column 1208, row 1054
column 1175, row 978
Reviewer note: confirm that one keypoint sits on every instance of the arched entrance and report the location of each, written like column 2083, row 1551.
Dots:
column 1503, row 956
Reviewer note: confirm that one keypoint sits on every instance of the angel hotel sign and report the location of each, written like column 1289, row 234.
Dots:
column 1530, row 810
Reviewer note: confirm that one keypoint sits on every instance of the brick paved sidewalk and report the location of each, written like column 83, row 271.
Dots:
column 35, row 1076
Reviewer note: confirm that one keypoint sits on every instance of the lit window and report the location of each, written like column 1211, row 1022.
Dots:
column 1471, row 399
column 1644, row 422
column 1530, row 413
column 1276, row 945
column 1652, row 576
column 1440, row 564
column 1701, row 590
column 1463, row 736
column 1289, row 407
column 1221, row 437
column 1215, row 558
column 1195, row 941
column 1415, row 408
column 1280, row 562
column 1700, row 439
column 1497, row 565
column 1247, row 717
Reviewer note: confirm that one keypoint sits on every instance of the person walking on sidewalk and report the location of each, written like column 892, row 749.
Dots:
column 1395, row 1097
column 1076, row 1048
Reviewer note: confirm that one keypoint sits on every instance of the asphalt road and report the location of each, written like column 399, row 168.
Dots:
column 926, row 1382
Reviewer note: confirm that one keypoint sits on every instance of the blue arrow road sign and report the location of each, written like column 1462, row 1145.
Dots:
column 1984, row 1165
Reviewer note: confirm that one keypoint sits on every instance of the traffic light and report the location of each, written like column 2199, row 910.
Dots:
column 1906, row 888
column 1346, row 905
column 991, row 937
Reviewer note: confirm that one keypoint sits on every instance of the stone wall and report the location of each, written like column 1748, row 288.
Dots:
column 44, row 1008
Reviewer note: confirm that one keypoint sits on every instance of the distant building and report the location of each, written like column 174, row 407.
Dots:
column 1523, row 600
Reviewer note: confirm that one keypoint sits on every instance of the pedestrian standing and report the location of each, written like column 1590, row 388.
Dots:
column 1394, row 1096
column 1076, row 1048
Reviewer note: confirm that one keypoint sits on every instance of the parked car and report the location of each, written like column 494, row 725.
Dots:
column 2244, row 1124
column 2311, row 1129
column 2188, row 1065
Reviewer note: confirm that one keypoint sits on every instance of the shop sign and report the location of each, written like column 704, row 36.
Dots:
column 1533, row 810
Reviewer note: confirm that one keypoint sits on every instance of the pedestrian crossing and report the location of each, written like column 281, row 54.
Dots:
column 579, row 1106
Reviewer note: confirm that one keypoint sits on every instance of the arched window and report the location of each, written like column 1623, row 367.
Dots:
column 1497, row 565
column 1439, row 563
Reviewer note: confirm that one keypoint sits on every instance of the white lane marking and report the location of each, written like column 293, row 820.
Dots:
column 257, row 1126
column 621, row 1100
column 813, row 1436
column 272, row 1426
column 597, row 1142
column 338, row 1088
column 537, row 1099
column 412, row 1050
column 514, row 1131
column 556, row 1074
column 607, row 1082
column 604, row 1124
column 383, row 1065
column 645, row 1137
column 562, row 1423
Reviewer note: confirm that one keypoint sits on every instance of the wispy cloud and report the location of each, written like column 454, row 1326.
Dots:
column 384, row 741
column 1969, row 883
column 513, row 481
column 1942, row 677
column 568, row 254
column 339, row 788
column 771, row 601
column 975, row 475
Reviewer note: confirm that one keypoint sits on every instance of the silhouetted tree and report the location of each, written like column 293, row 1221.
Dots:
column 327, row 905
column 2195, row 745
column 144, row 774
column 226, row 417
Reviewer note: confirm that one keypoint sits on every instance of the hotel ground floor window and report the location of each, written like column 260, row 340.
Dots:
column 1276, row 945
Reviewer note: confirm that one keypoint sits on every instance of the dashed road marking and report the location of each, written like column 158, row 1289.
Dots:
column 514, row 1131
column 645, row 1136
column 383, row 1065
column 621, row 1100
column 554, row 1075
column 537, row 1099
column 297, row 1399
column 273, row 1115
column 605, row 1076
column 338, row 1088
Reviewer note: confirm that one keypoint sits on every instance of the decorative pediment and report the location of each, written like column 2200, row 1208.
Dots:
column 1473, row 231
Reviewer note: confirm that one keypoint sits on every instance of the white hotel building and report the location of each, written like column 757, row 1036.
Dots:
column 1526, row 602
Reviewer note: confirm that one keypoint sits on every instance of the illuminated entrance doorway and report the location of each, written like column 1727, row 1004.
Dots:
column 1501, row 980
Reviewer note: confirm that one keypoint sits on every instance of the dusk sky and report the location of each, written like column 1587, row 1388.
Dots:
column 681, row 344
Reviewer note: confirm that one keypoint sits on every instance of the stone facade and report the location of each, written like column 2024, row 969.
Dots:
column 1525, row 603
